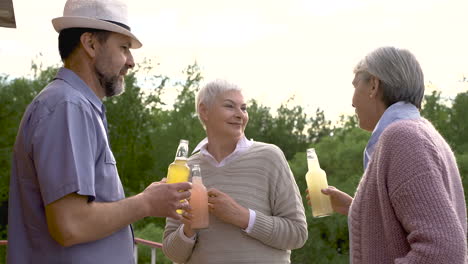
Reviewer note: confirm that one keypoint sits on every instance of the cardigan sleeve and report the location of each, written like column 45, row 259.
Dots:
column 286, row 228
column 422, row 202
column 174, row 246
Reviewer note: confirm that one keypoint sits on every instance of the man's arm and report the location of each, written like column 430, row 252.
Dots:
column 73, row 220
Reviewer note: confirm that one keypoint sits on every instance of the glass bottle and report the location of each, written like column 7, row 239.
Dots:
column 199, row 200
column 316, row 180
column 178, row 170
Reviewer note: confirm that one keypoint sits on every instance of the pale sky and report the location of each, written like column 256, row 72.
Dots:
column 272, row 48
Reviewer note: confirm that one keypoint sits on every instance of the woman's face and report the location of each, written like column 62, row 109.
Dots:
column 364, row 101
column 227, row 116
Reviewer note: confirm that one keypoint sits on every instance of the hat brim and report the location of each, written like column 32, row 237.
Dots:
column 61, row 23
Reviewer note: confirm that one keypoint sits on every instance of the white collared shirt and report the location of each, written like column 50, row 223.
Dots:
column 242, row 145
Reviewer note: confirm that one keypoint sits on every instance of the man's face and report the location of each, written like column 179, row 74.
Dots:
column 113, row 59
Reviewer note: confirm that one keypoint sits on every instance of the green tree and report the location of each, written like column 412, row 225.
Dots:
column 131, row 125
column 459, row 123
column 183, row 119
column 436, row 110
column 319, row 128
column 286, row 130
column 260, row 121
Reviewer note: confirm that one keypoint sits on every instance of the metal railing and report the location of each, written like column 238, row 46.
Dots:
column 153, row 245
column 138, row 241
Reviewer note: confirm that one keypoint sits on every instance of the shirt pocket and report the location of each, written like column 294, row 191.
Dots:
column 108, row 185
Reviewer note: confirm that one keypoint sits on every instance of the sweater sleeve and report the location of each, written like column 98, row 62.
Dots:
column 174, row 246
column 286, row 228
column 422, row 203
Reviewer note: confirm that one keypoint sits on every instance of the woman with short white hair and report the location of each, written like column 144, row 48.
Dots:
column 409, row 206
column 256, row 210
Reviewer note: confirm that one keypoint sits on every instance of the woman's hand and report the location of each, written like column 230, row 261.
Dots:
column 340, row 201
column 187, row 221
column 226, row 209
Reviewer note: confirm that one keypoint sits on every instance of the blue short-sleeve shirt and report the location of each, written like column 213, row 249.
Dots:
column 62, row 148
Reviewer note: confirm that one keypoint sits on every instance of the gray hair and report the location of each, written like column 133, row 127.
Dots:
column 208, row 93
column 400, row 74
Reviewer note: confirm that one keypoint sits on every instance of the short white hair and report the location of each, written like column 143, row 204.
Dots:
column 208, row 94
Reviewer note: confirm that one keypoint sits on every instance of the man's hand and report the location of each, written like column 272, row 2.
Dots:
column 163, row 199
column 226, row 209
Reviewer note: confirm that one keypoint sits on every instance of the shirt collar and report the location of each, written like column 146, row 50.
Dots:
column 242, row 145
column 78, row 84
column 397, row 111
column 201, row 145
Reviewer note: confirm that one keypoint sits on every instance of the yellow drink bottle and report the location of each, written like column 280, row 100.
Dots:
column 199, row 200
column 316, row 180
column 178, row 170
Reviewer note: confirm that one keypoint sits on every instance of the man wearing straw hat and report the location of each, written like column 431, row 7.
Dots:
column 66, row 202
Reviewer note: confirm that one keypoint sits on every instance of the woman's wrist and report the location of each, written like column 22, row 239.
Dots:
column 188, row 232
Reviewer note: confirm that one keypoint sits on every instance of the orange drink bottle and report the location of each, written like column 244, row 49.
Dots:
column 199, row 200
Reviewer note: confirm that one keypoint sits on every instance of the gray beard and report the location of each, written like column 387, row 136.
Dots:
column 112, row 84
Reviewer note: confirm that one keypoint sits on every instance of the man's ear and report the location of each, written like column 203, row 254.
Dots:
column 88, row 42
column 375, row 87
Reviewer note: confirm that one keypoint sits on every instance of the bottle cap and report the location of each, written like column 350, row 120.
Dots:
column 311, row 153
column 196, row 172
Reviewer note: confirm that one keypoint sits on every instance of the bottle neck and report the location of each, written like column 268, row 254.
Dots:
column 197, row 180
column 313, row 164
column 180, row 161
column 182, row 150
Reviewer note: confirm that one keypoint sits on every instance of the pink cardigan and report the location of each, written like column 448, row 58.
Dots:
column 409, row 206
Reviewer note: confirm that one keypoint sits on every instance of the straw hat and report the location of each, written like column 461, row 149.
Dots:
column 110, row 15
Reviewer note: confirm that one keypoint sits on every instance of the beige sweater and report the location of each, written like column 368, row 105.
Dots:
column 409, row 206
column 261, row 180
